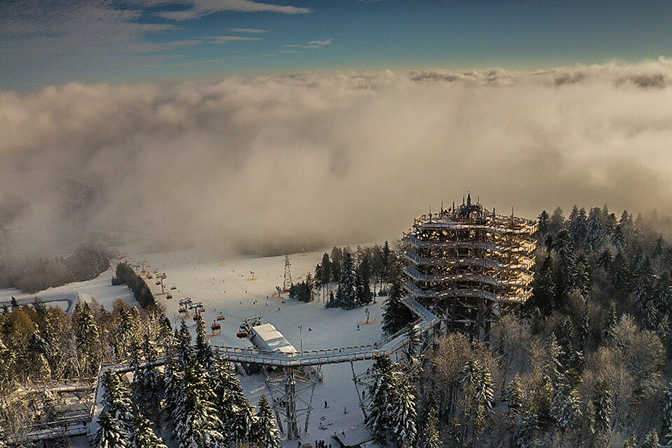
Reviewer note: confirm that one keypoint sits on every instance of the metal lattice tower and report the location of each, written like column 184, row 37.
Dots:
column 287, row 282
column 468, row 265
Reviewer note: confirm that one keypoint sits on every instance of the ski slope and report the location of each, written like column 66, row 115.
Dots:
column 225, row 287
column 66, row 296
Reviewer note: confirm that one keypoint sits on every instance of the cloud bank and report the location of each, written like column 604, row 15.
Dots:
column 333, row 157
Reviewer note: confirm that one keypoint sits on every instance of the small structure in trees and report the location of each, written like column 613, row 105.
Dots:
column 470, row 265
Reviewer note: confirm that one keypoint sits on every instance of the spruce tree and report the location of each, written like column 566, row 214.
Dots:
column 148, row 383
column 264, row 434
column 382, row 392
column 515, row 394
column 403, row 412
column 111, row 432
column 429, row 436
column 396, row 315
column 602, row 403
column 477, row 385
column 651, row 440
column 116, row 400
column 88, row 340
column 346, row 294
column 235, row 410
column 196, row 421
column 566, row 408
column 204, row 352
column 143, row 435
column 667, row 415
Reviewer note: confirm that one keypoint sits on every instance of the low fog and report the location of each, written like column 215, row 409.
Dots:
column 317, row 159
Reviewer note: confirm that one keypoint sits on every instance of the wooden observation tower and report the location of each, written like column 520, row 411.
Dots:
column 469, row 265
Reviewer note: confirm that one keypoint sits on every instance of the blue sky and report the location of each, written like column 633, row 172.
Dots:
column 44, row 42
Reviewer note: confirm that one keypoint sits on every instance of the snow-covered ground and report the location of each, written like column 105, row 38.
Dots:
column 65, row 296
column 225, row 287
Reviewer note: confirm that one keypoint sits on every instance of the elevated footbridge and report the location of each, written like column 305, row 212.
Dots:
column 425, row 322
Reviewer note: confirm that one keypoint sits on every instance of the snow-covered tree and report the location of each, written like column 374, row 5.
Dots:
column 195, row 417
column 515, row 394
column 346, row 294
column 411, row 352
column 204, row 352
column 235, row 410
column 7, row 359
column 566, row 408
column 404, row 413
column 88, row 340
column 667, row 414
column 479, row 392
column 603, row 403
column 396, row 315
column 264, row 433
column 116, row 399
column 143, row 435
column 174, row 387
column 123, row 334
column 429, row 436
column 381, row 391
column 183, row 349
column 651, row 440
column 148, row 382
column 111, row 432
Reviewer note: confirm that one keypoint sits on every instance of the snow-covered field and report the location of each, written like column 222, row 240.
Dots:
column 65, row 296
column 225, row 287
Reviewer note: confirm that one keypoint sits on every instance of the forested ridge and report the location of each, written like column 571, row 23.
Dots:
column 34, row 273
column 586, row 362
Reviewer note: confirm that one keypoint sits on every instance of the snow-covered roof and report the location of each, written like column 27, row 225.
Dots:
column 354, row 436
column 266, row 337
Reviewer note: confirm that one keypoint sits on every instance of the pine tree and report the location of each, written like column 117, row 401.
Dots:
column 515, row 394
column 566, row 408
column 667, row 415
column 204, row 352
column 651, row 440
column 412, row 347
column 478, row 387
column 542, row 400
column 543, row 289
column 148, row 383
column 403, row 417
column 264, row 433
column 88, row 340
column 602, row 402
column 429, row 436
column 381, row 392
column 184, row 351
column 396, row 315
column 7, row 364
column 116, row 400
column 346, row 294
column 143, row 436
column 123, row 334
column 196, row 421
column 235, row 410
column 111, row 433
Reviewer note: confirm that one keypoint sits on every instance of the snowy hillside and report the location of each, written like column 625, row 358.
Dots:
column 225, row 287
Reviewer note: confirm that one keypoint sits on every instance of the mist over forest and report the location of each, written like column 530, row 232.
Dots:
column 317, row 159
